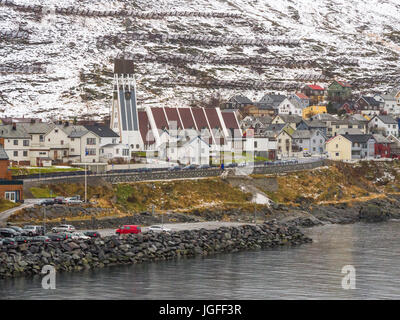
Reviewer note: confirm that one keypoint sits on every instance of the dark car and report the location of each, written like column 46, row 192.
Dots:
column 16, row 228
column 55, row 236
column 176, row 168
column 92, row 234
column 8, row 233
column 22, row 239
column 190, row 167
column 8, row 242
column 40, row 239
column 59, row 200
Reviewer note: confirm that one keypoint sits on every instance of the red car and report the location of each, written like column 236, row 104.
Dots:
column 127, row 229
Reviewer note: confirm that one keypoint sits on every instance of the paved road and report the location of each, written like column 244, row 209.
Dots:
column 6, row 214
column 182, row 226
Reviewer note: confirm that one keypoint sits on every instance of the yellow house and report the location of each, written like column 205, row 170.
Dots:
column 313, row 110
column 339, row 148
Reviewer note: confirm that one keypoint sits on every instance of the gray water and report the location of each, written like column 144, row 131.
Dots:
column 310, row 271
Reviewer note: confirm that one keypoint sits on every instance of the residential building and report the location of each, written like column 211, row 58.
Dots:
column 367, row 105
column 16, row 142
column 312, row 125
column 310, row 111
column 301, row 98
column 339, row 91
column 239, row 102
column 271, row 100
column 382, row 146
column 384, row 124
column 290, row 106
column 11, row 190
column 39, row 153
column 291, row 119
column 351, row 147
column 315, row 92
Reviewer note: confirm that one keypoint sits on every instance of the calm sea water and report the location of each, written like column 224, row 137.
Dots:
column 311, row 271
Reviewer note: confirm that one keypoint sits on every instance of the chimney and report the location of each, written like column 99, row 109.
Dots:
column 14, row 126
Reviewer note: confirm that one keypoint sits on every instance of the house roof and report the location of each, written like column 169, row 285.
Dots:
column 315, row 87
column 359, row 138
column 3, row 154
column 37, row 127
column 370, row 100
column 102, row 131
column 344, row 84
column 7, row 131
column 275, row 127
column 241, row 99
column 290, row 118
column 314, row 123
column 302, row 96
column 386, row 119
column 381, row 139
column 301, row 134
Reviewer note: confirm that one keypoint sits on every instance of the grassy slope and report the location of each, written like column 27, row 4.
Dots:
column 24, row 171
column 5, row 205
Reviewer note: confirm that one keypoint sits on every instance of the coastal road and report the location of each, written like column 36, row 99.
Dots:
column 210, row 225
column 6, row 214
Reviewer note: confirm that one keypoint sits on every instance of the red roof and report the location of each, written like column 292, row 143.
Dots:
column 302, row 96
column 344, row 84
column 315, row 87
column 144, row 128
column 230, row 120
column 172, row 115
column 159, row 118
column 187, row 119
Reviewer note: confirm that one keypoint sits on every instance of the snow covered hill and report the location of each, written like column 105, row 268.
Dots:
column 60, row 65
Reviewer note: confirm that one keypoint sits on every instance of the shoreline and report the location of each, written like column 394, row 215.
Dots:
column 77, row 255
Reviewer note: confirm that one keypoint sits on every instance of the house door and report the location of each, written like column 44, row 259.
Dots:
column 55, row 155
column 10, row 196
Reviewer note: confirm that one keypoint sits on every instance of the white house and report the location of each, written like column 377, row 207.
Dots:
column 389, row 104
column 114, row 151
column 16, row 143
column 385, row 125
column 290, row 106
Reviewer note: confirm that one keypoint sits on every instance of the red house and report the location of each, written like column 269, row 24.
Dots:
column 382, row 146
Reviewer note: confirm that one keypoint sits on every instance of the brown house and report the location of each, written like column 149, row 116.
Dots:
column 10, row 189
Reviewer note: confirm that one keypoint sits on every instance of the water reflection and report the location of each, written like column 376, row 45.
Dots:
column 311, row 271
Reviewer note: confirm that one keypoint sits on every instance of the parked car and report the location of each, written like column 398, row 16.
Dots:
column 22, row 239
column 72, row 200
column 63, row 228
column 128, row 229
column 175, row 168
column 54, row 236
column 79, row 236
column 190, row 167
column 40, row 239
column 205, row 166
column 59, row 200
column 33, row 231
column 8, row 233
column 46, row 202
column 306, row 154
column 92, row 234
column 16, row 228
column 159, row 229
column 8, row 242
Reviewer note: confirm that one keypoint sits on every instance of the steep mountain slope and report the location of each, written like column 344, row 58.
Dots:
column 354, row 40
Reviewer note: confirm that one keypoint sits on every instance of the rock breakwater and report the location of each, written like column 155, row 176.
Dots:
column 76, row 255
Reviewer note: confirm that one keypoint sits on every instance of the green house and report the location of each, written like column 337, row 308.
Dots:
column 339, row 91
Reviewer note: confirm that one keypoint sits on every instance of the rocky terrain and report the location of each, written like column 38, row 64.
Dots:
column 59, row 56
column 74, row 255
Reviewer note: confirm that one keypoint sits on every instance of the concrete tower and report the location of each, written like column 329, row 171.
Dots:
column 124, row 114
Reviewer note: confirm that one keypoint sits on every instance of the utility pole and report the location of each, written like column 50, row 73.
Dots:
column 255, row 212
column 85, row 182
column 44, row 219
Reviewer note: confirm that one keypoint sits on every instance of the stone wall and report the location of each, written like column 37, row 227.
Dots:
column 74, row 255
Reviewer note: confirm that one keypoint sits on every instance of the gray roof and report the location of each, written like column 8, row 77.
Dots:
column 381, row 139
column 324, row 117
column 37, row 127
column 7, row 131
column 315, row 123
column 102, row 131
column 386, row 119
column 301, row 134
column 275, row 127
column 360, row 138
column 290, row 118
column 3, row 154
column 73, row 131
column 241, row 99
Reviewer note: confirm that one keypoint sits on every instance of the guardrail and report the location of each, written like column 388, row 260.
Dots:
column 136, row 175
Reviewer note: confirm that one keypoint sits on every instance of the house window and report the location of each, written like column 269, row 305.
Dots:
column 125, row 152
column 91, row 141
column 41, row 138
column 72, row 139
column 25, row 153
column 56, row 131
column 15, row 142
column 337, row 154
column 137, row 146
column 255, row 144
column 117, row 151
column 15, row 153
column 91, row 152
column 62, row 142
column 25, row 143
column 114, row 140
column 72, row 150
column 65, row 152
column 337, row 146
